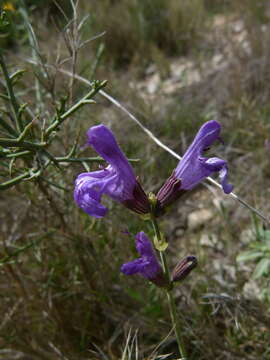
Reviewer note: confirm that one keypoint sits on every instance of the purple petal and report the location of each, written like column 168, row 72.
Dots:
column 134, row 267
column 193, row 167
column 214, row 164
column 117, row 180
column 223, row 175
column 103, row 141
column 144, row 245
column 147, row 265
column 89, row 188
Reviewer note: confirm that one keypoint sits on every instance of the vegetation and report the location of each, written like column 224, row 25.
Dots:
column 174, row 66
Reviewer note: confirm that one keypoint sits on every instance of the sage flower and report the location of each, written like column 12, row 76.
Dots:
column 117, row 180
column 147, row 264
column 194, row 167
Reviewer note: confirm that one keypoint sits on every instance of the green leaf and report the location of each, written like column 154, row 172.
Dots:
column 16, row 75
column 249, row 255
column 261, row 268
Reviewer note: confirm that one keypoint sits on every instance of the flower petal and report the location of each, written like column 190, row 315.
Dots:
column 134, row 267
column 216, row 164
column 144, row 245
column 193, row 167
column 103, row 141
column 89, row 188
column 147, row 265
column 223, row 175
column 117, row 180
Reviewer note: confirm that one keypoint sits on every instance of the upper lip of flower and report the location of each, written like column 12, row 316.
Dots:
column 117, row 180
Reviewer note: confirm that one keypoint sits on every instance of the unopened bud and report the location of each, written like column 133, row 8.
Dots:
column 184, row 267
column 152, row 199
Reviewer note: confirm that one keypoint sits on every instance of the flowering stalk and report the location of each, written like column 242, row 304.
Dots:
column 168, row 290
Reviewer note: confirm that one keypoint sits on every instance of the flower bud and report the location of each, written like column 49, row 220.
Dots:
column 184, row 267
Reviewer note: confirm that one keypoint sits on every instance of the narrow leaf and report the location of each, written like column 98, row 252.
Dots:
column 7, row 127
column 261, row 268
column 249, row 255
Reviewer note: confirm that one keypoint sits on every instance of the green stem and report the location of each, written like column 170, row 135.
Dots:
column 18, row 154
column 176, row 326
column 35, row 51
column 21, row 144
column 14, row 181
column 80, row 103
column 90, row 159
column 8, row 128
column 170, row 297
column 13, row 100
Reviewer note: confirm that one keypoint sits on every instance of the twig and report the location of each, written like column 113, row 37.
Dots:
column 88, row 159
column 85, row 100
column 15, row 105
column 35, row 50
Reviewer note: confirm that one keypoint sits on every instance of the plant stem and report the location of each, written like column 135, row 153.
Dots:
column 75, row 107
column 21, row 144
column 13, row 100
column 170, row 297
column 176, row 326
column 14, row 181
column 90, row 159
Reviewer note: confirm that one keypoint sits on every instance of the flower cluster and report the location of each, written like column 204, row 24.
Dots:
column 119, row 182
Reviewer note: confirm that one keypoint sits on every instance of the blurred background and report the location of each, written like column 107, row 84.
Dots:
column 174, row 64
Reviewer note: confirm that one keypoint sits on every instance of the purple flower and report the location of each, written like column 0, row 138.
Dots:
column 147, row 265
column 193, row 168
column 116, row 180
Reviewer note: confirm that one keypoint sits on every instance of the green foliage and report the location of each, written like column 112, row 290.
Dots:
column 30, row 141
column 260, row 252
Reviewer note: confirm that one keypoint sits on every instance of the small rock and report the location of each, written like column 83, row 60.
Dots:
column 198, row 218
column 247, row 236
column 179, row 232
column 151, row 69
column 211, row 241
column 251, row 290
column 153, row 83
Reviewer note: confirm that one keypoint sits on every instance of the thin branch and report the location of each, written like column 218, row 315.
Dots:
column 13, row 100
column 85, row 100
column 87, row 159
